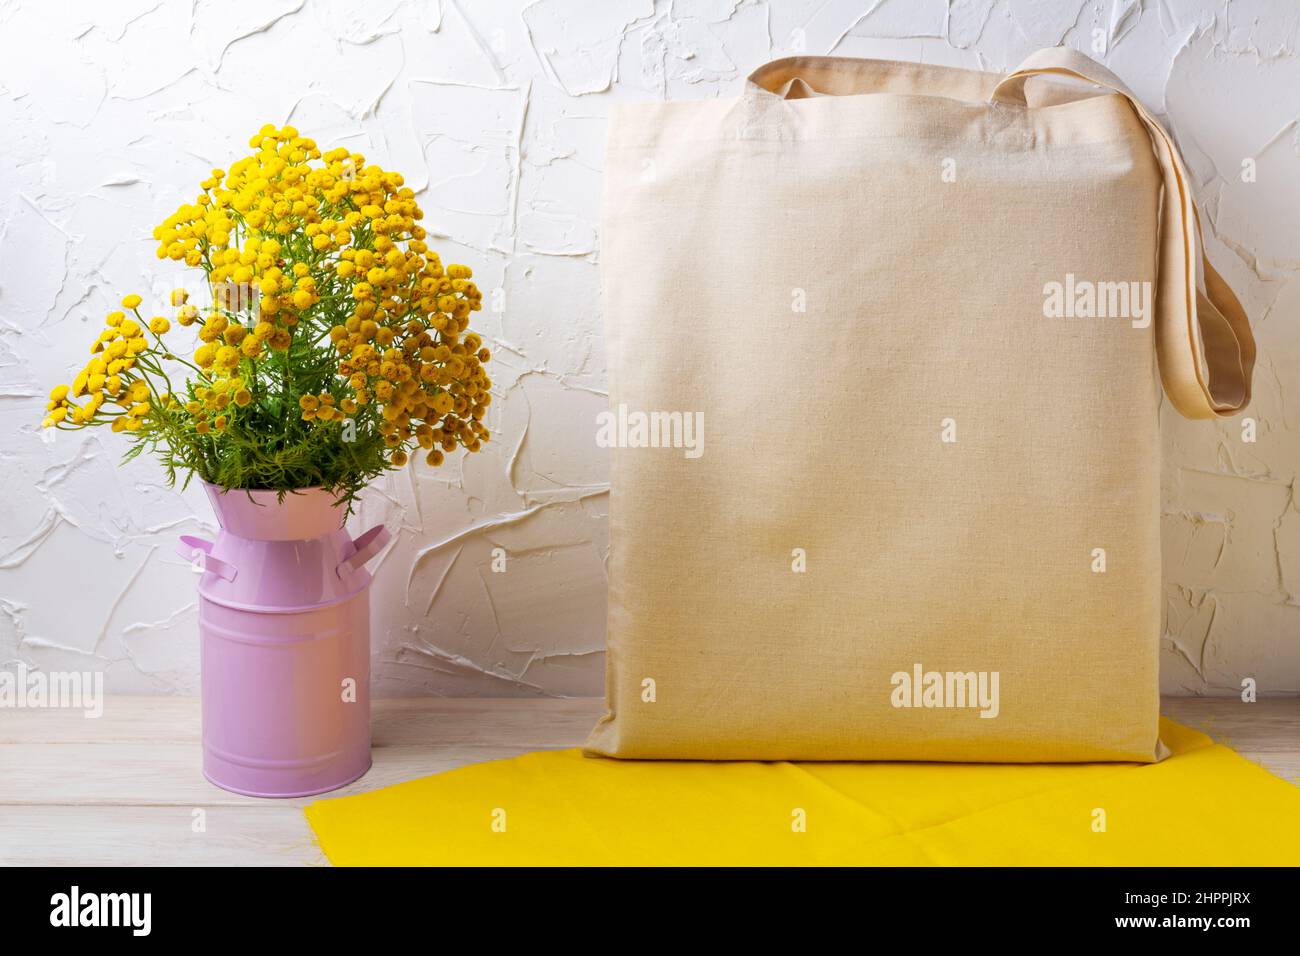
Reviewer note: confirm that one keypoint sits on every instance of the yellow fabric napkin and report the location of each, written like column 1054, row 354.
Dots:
column 1204, row 806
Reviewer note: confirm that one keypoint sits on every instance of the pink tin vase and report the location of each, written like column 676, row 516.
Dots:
column 284, row 629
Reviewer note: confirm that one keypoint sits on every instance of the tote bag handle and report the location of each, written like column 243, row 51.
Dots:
column 1204, row 345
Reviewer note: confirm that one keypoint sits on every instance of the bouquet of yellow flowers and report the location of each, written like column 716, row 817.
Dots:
column 332, row 343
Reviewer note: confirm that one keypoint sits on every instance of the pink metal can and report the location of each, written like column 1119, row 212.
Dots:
column 284, row 630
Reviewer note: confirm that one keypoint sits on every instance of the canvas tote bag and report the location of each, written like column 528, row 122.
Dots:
column 882, row 348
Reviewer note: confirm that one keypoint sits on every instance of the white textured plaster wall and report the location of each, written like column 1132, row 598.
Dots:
column 111, row 111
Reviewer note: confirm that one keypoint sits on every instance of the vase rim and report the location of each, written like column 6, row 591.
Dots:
column 262, row 514
column 275, row 491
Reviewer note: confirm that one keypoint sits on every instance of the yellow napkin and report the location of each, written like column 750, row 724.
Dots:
column 1204, row 806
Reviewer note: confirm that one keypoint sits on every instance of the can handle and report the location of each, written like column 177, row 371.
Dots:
column 367, row 546
column 193, row 548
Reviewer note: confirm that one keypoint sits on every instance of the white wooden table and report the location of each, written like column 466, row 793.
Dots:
column 126, row 788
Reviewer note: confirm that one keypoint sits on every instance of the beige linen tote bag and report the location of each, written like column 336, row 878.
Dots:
column 882, row 348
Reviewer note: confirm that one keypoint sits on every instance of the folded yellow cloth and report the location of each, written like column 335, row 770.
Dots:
column 1204, row 806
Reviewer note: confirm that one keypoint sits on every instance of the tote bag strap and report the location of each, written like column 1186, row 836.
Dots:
column 1204, row 344
column 801, row 77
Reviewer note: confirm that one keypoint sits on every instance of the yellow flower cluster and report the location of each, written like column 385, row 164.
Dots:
column 211, row 405
column 353, row 236
column 324, row 293
column 428, row 382
column 111, row 384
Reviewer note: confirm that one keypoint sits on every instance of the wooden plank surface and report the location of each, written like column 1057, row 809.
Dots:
column 126, row 788
column 274, row 834
column 1266, row 732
